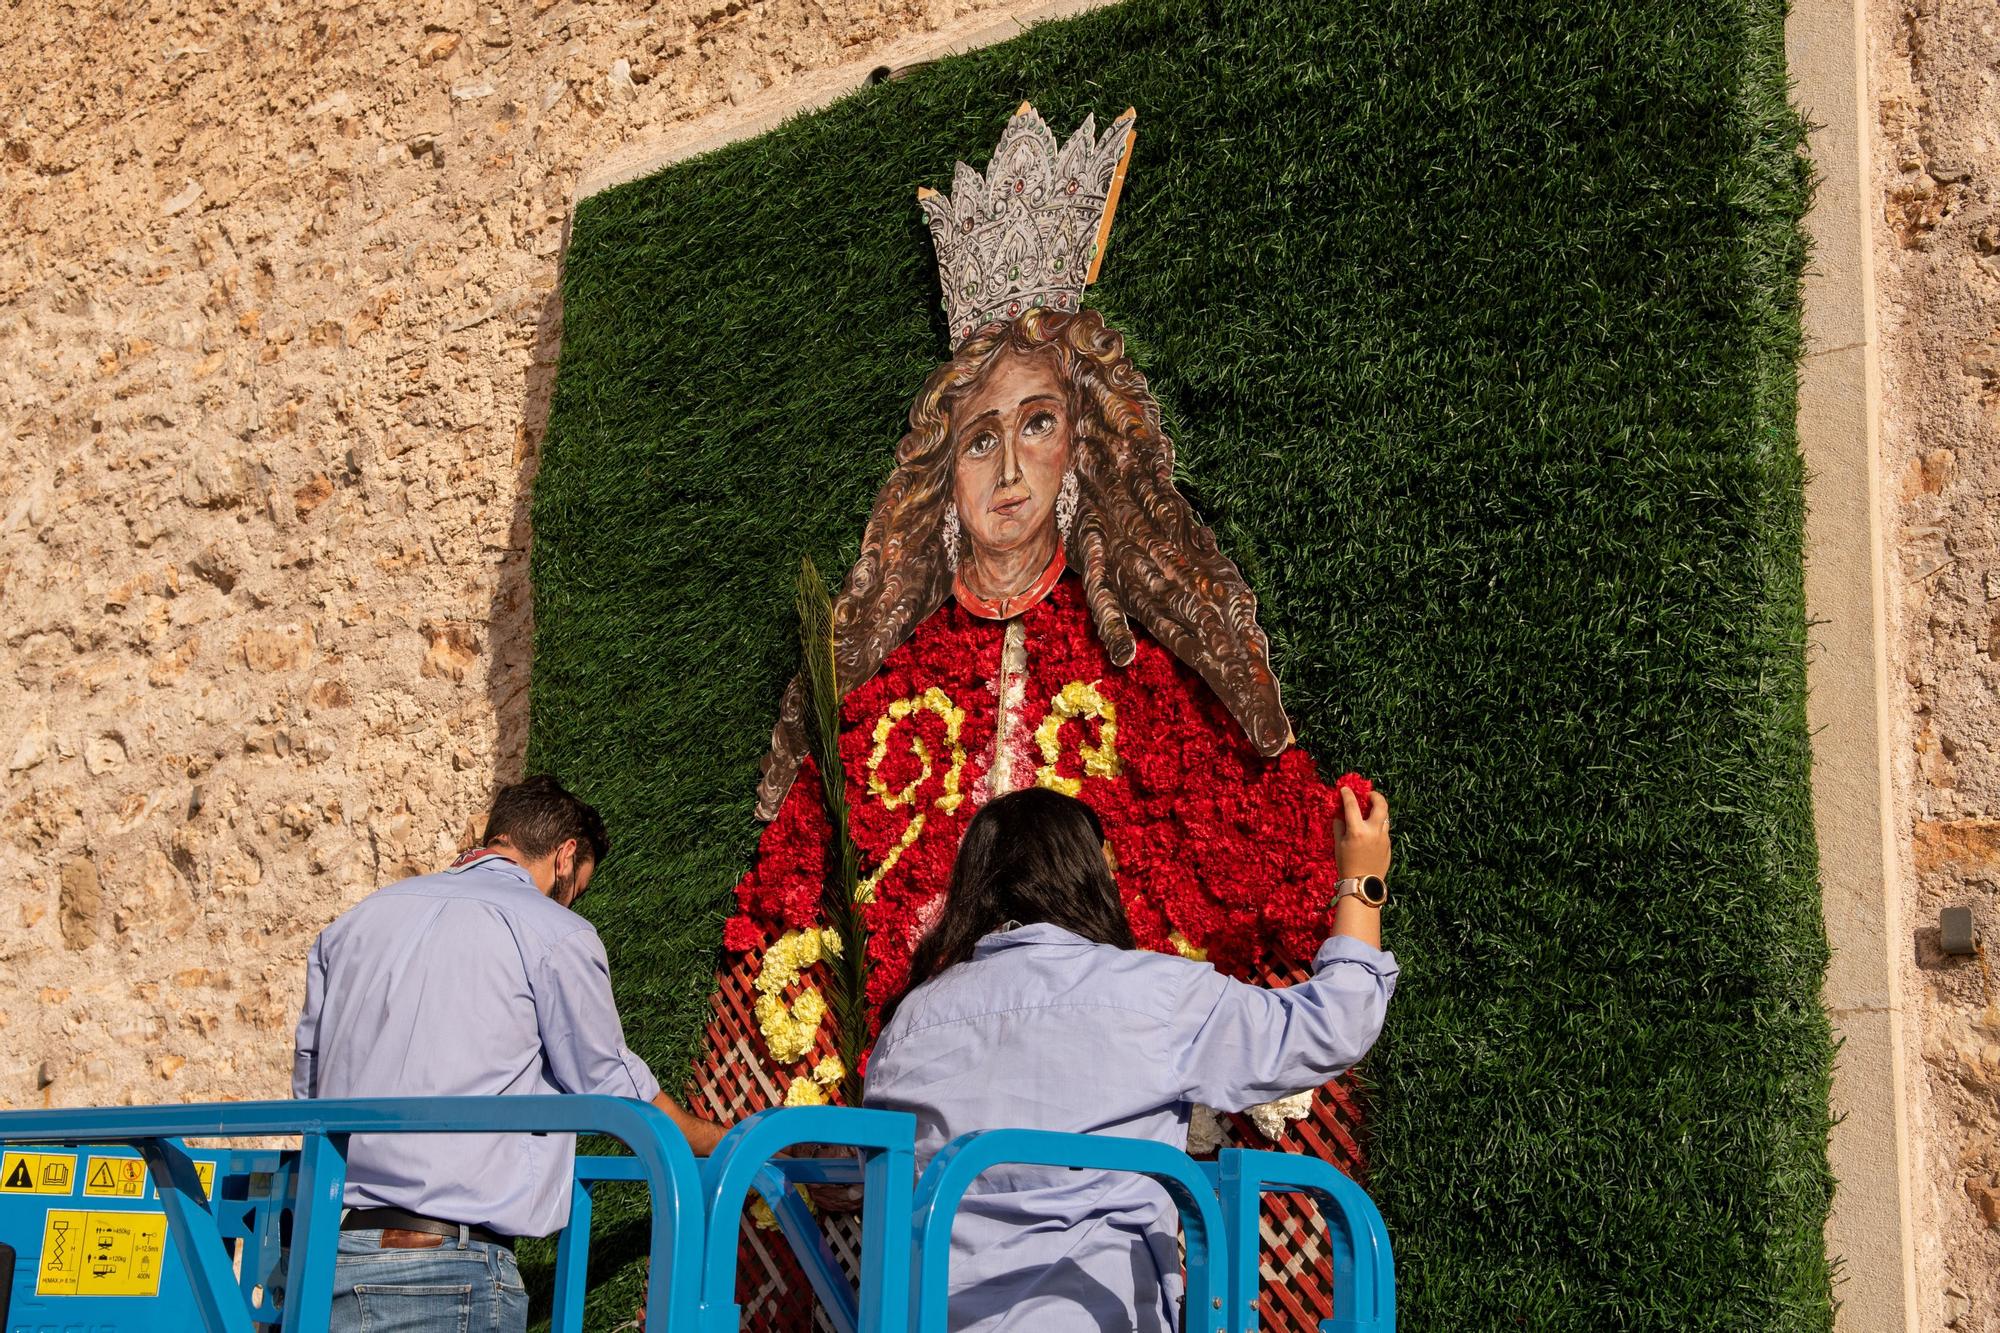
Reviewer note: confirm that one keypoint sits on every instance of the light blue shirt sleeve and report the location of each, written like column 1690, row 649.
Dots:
column 305, row 1043
column 1239, row 1044
column 582, row 1039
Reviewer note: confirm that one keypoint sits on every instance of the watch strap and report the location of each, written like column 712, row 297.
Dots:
column 1355, row 886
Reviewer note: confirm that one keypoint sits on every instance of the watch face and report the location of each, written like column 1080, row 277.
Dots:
column 1373, row 891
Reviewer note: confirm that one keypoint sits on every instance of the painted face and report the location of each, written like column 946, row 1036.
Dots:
column 1011, row 446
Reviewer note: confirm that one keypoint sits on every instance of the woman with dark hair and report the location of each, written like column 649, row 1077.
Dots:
column 1029, row 1006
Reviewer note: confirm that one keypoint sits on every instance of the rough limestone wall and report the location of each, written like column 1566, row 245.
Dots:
column 1937, row 155
column 277, row 330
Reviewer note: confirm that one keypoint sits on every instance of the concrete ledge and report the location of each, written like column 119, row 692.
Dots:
column 813, row 91
column 1870, row 1231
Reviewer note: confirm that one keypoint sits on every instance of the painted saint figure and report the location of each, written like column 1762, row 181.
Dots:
column 1036, row 604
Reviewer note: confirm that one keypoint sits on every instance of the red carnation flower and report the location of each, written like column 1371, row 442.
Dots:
column 740, row 934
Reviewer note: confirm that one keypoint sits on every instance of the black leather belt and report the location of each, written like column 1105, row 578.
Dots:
column 395, row 1219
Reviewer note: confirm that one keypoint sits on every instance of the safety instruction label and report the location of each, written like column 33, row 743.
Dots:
column 205, row 1173
column 115, row 1178
column 101, row 1254
column 37, row 1173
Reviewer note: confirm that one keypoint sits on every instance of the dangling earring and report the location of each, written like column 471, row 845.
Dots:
column 1066, row 504
column 949, row 531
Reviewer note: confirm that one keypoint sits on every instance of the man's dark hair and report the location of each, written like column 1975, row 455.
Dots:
column 538, row 815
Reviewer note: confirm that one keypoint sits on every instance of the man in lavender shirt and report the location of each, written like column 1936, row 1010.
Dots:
column 477, row 981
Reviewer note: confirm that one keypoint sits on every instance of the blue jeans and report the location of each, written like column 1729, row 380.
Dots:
column 449, row 1288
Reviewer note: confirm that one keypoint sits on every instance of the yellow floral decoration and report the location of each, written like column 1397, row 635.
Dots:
column 766, row 1220
column 790, row 1030
column 932, row 700
column 1078, row 700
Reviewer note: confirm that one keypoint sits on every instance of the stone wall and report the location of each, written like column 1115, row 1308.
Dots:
column 1937, row 158
column 277, row 328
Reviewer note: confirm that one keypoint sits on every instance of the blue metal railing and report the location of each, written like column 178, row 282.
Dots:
column 1364, row 1274
column 902, row 1283
column 661, row 1155
column 962, row 1161
column 887, row 1140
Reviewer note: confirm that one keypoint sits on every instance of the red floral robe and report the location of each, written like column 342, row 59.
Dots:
column 1220, row 852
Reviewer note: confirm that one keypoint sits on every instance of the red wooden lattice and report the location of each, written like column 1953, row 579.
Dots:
column 734, row 1078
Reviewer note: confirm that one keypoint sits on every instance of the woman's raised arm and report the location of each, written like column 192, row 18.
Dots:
column 1238, row 1045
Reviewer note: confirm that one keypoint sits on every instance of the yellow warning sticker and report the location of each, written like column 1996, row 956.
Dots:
column 115, row 1178
column 37, row 1173
column 62, row 1253
column 101, row 1254
column 205, row 1173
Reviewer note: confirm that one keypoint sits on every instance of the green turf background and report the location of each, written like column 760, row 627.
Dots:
column 1476, row 327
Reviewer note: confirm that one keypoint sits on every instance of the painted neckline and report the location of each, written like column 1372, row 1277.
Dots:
column 1006, row 608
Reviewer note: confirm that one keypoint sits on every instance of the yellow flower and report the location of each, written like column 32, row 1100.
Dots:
column 783, row 960
column 804, row 1092
column 791, row 1030
column 932, row 700
column 766, row 1220
column 1078, row 700
column 829, row 1071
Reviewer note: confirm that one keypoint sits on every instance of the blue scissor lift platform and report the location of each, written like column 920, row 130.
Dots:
column 114, row 1226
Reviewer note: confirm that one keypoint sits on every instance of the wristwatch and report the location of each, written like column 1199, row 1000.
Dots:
column 1370, row 889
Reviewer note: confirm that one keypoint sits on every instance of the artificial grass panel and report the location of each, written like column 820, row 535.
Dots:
column 1476, row 329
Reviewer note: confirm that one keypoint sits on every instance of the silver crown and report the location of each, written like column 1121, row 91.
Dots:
column 1031, row 231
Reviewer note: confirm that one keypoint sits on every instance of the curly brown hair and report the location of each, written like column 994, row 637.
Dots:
column 1142, row 552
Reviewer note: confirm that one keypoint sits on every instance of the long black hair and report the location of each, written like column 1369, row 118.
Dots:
column 1029, row 856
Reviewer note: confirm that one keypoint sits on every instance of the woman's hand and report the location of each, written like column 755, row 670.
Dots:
column 1361, row 847
column 1361, row 844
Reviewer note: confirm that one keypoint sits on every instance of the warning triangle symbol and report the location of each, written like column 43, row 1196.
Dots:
column 101, row 1177
column 19, row 1178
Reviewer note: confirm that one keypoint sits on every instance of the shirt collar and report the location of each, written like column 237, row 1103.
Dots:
column 478, row 858
column 1041, row 932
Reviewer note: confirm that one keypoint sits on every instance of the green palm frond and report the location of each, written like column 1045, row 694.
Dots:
column 847, row 998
